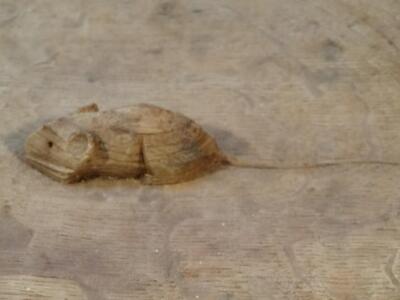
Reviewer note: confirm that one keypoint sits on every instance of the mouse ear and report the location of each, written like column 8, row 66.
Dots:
column 88, row 108
column 82, row 145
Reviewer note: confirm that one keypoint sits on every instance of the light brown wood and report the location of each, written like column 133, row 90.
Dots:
column 17, row 287
column 283, row 82
column 145, row 142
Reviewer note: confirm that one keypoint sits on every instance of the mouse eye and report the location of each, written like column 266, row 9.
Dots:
column 50, row 144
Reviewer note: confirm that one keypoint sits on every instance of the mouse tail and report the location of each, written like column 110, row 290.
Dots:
column 233, row 161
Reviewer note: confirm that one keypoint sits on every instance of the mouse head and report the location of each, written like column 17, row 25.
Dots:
column 61, row 150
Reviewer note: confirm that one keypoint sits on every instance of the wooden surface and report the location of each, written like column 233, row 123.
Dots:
column 288, row 82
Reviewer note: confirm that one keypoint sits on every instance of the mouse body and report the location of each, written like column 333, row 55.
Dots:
column 143, row 141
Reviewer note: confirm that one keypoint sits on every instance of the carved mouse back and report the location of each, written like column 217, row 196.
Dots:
column 143, row 141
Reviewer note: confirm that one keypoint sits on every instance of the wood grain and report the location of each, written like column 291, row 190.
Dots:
column 30, row 287
column 282, row 82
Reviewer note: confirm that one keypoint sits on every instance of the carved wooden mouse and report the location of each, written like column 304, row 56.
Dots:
column 146, row 142
column 142, row 141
